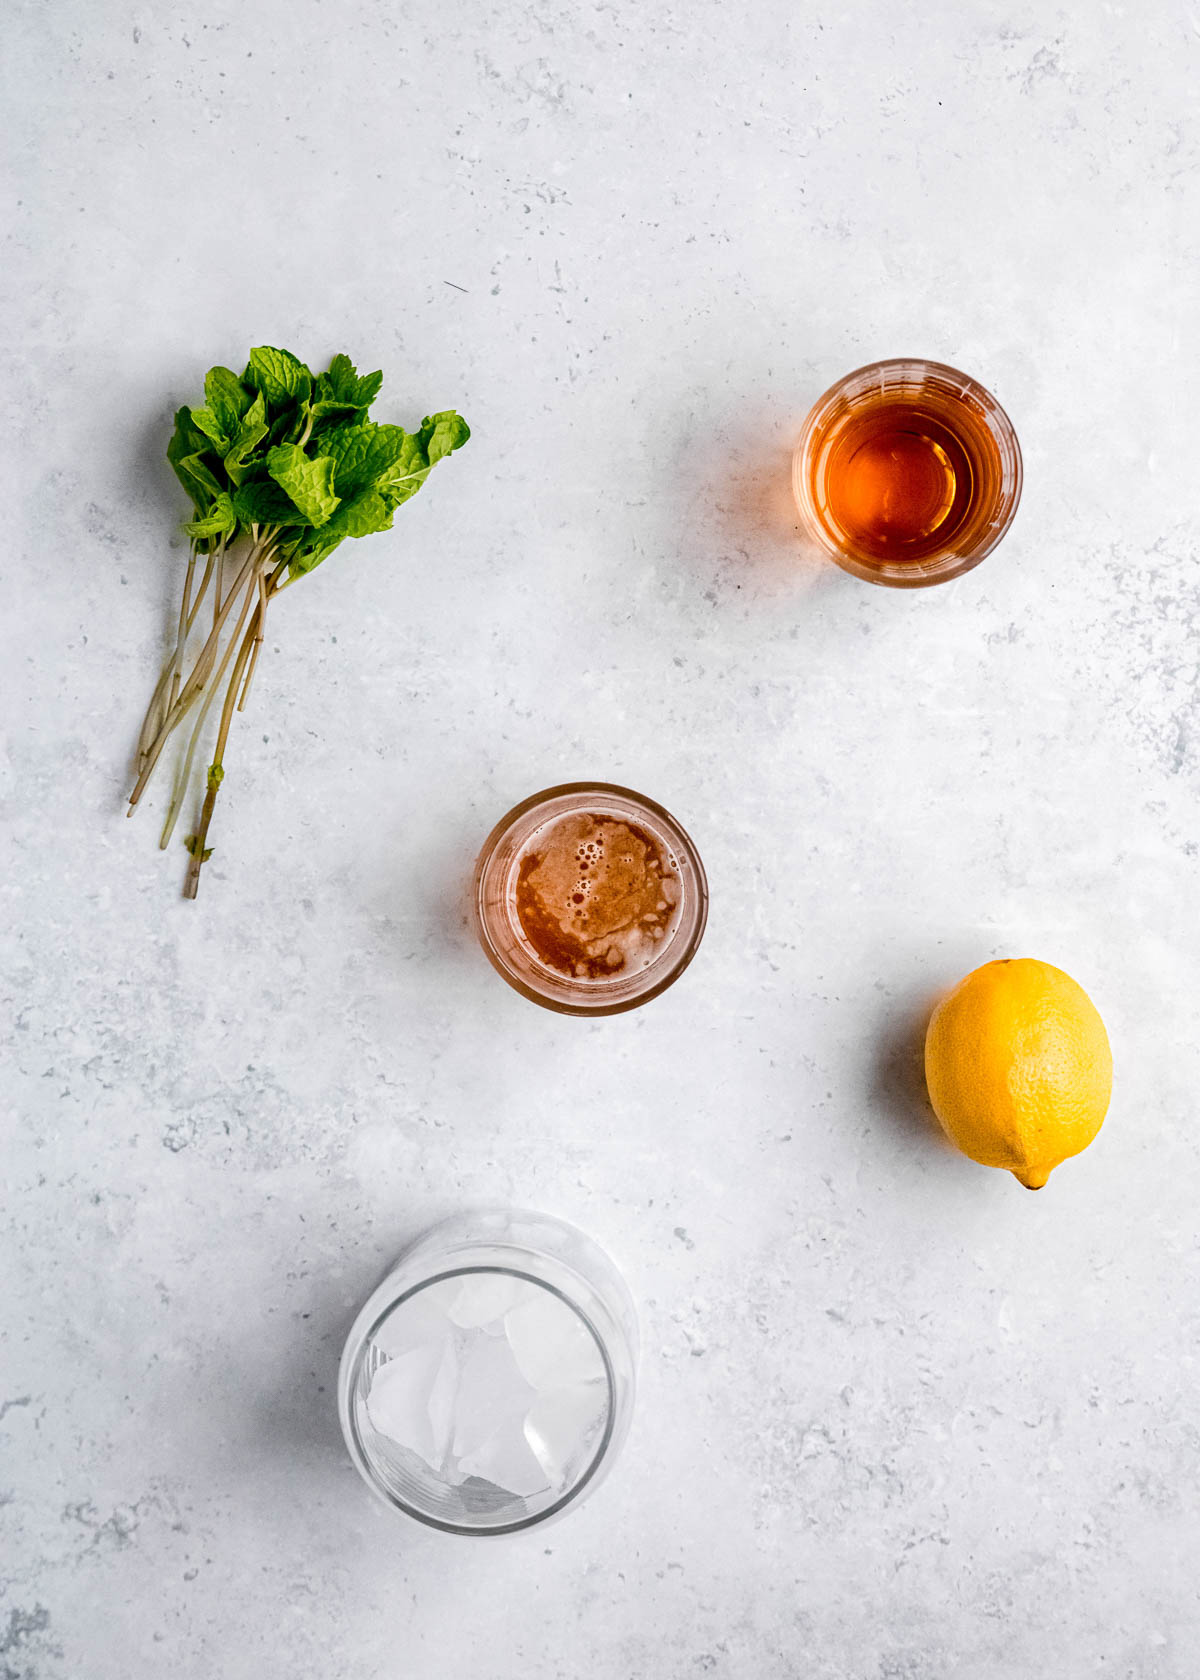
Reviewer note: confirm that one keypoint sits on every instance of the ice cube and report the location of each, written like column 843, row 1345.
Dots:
column 443, row 1399
column 562, row 1427
column 491, row 1393
column 506, row 1460
column 398, row 1400
column 553, row 1346
column 418, row 1321
column 483, row 1298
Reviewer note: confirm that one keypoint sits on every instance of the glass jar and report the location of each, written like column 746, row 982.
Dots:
column 539, row 1334
column 589, row 899
column 907, row 473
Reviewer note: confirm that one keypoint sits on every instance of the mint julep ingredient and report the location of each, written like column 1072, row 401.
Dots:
column 281, row 465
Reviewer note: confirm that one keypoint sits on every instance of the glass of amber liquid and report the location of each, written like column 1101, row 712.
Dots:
column 908, row 473
column 589, row 899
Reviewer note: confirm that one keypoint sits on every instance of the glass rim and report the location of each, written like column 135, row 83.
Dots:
column 352, row 1367
column 926, row 363
column 673, row 965
column 955, row 563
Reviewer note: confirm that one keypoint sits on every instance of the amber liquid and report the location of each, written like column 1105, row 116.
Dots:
column 906, row 475
column 595, row 895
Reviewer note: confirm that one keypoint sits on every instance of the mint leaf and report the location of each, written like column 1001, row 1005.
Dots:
column 186, row 440
column 370, row 511
column 347, row 446
column 411, row 459
column 339, row 393
column 281, row 377
column 396, row 494
column 198, row 479
column 442, row 433
column 308, row 481
column 301, row 426
column 219, row 521
column 251, row 431
column 299, row 565
column 327, row 412
column 260, row 501
column 367, row 513
column 226, row 399
column 343, row 384
column 364, row 454
column 212, row 428
column 376, row 470
column 187, row 437
column 282, row 429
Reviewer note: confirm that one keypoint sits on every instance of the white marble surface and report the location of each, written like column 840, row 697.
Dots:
column 899, row 1419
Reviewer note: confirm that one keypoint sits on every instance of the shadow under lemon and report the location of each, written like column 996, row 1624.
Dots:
column 898, row 1084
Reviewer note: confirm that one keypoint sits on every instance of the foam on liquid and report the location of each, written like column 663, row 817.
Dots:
column 596, row 896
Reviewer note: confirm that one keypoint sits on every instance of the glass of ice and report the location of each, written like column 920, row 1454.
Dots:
column 488, row 1382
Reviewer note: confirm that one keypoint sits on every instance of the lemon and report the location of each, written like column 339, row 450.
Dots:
column 1018, row 1067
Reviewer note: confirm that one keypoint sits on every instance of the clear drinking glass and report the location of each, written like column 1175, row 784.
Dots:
column 488, row 1382
column 907, row 473
column 589, row 899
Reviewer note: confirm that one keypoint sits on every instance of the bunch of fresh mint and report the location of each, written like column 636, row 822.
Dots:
column 280, row 465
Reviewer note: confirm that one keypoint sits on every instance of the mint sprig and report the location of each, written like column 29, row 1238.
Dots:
column 281, row 466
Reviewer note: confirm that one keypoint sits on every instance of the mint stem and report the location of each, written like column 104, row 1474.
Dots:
column 195, row 682
column 216, row 772
column 185, row 773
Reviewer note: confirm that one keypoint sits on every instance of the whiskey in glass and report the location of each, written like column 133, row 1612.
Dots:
column 907, row 473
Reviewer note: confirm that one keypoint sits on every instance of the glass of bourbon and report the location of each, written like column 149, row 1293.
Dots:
column 908, row 473
column 589, row 899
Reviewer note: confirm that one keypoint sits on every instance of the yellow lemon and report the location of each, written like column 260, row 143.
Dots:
column 1018, row 1067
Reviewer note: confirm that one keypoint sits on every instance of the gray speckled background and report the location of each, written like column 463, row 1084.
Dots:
column 899, row 1420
